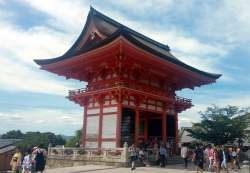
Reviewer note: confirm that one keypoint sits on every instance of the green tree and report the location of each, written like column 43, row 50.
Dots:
column 31, row 139
column 74, row 139
column 220, row 125
column 13, row 134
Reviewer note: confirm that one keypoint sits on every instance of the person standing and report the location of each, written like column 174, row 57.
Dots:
column 224, row 162
column 168, row 147
column 162, row 152
column 40, row 158
column 184, row 154
column 16, row 160
column 171, row 148
column 196, row 159
column 234, row 156
column 206, row 154
column 201, row 154
column 27, row 161
column 132, row 151
column 33, row 163
column 216, row 163
column 143, row 144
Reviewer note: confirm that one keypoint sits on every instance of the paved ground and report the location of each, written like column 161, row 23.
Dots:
column 177, row 168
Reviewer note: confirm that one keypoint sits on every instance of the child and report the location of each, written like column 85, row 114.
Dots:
column 27, row 161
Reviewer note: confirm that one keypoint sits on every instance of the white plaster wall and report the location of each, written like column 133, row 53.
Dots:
column 113, row 102
column 110, row 109
column 159, row 103
column 159, row 109
column 92, row 127
column 91, row 144
column 142, row 106
column 151, row 101
column 106, row 103
column 144, row 81
column 109, row 126
column 132, row 103
column 110, row 144
column 125, row 75
column 93, row 111
column 151, row 107
column 125, row 102
column 155, row 84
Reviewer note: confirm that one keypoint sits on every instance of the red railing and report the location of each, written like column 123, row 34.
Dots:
column 129, row 86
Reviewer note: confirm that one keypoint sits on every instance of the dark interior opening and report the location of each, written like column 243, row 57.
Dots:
column 128, row 126
column 155, row 128
column 171, row 126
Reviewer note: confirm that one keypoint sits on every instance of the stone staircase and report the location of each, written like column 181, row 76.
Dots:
column 176, row 159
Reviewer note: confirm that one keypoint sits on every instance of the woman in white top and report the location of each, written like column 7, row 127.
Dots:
column 234, row 157
column 206, row 154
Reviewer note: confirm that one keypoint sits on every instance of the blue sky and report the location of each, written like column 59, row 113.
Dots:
column 212, row 36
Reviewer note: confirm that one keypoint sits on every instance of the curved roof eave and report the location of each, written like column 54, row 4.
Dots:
column 122, row 32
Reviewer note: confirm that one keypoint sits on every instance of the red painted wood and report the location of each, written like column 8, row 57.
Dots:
column 176, row 134
column 136, row 125
column 146, row 127
column 118, row 125
column 84, row 128
column 100, row 127
column 103, row 139
column 164, row 127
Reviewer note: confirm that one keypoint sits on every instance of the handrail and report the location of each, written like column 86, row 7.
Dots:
column 130, row 86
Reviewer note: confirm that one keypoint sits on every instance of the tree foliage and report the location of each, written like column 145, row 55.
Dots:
column 74, row 139
column 13, row 134
column 32, row 139
column 220, row 125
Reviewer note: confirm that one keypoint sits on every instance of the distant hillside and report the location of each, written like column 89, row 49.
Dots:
column 0, row 136
column 66, row 137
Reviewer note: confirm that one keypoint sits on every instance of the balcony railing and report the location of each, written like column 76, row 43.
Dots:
column 129, row 86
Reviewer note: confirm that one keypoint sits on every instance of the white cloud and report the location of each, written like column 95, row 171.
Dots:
column 57, row 121
column 39, row 121
column 66, row 117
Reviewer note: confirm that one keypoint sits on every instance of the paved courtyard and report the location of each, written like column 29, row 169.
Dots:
column 177, row 168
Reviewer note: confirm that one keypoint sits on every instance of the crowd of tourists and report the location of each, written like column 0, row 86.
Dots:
column 34, row 161
column 209, row 158
column 165, row 150
column 212, row 158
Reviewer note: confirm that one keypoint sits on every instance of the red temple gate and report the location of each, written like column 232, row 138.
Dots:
column 131, row 87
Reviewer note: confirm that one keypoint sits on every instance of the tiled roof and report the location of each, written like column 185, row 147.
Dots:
column 112, row 29
column 6, row 149
column 7, row 142
column 184, row 135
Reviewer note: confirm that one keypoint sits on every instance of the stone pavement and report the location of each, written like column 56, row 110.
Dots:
column 176, row 168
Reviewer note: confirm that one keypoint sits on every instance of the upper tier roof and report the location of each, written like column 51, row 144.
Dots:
column 109, row 29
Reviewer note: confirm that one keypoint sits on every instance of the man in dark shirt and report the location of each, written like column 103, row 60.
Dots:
column 224, row 158
column 197, row 159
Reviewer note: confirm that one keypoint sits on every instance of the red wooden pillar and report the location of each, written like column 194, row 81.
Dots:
column 100, row 126
column 136, row 125
column 176, row 134
column 84, row 128
column 118, row 125
column 164, row 127
column 146, row 127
